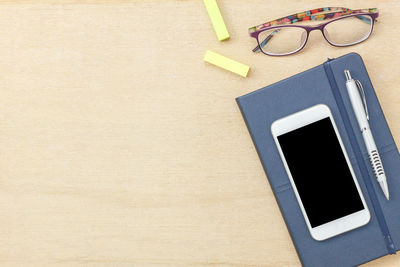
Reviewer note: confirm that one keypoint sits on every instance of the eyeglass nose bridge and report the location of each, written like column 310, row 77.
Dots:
column 319, row 27
column 316, row 27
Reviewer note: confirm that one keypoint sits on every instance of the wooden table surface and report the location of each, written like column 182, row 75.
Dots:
column 119, row 146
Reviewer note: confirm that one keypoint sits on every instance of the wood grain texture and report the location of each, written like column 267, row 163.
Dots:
column 119, row 146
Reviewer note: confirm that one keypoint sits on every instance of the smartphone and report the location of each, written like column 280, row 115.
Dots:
column 320, row 172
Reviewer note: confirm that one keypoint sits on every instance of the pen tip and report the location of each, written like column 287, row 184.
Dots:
column 386, row 193
column 385, row 188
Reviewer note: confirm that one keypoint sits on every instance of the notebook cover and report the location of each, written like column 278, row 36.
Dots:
column 262, row 107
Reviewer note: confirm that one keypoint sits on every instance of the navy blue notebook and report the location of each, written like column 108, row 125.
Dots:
column 325, row 84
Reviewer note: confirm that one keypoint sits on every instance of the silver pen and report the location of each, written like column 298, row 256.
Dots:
column 361, row 112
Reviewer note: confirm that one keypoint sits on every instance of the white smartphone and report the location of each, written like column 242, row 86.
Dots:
column 320, row 172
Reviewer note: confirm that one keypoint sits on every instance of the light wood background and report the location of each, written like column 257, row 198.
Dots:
column 119, row 146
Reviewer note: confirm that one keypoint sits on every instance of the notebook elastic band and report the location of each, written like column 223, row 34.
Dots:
column 361, row 163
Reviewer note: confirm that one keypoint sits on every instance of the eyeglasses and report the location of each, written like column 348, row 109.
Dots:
column 347, row 27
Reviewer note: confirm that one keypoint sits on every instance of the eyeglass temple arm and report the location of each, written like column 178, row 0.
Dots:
column 315, row 16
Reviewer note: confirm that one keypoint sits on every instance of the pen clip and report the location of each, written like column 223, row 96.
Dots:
column 361, row 88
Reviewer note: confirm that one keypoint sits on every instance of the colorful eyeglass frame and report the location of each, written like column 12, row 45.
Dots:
column 323, row 13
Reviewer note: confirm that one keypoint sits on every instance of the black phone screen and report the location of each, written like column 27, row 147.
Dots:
column 320, row 172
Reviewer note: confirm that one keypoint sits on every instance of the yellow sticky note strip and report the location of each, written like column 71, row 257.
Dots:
column 216, row 19
column 226, row 63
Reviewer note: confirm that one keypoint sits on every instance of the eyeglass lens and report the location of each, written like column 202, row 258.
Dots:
column 349, row 30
